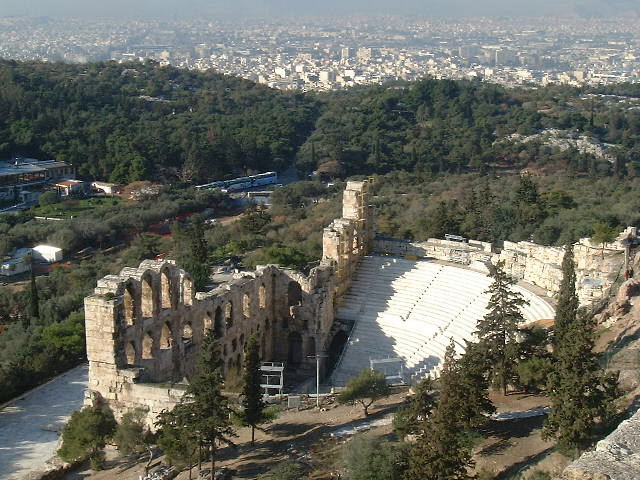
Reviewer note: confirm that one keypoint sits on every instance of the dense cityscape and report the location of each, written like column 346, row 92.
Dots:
column 324, row 54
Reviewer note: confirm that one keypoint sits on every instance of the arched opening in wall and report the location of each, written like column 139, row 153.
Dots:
column 230, row 365
column 294, row 294
column 246, row 306
column 267, row 325
column 228, row 314
column 129, row 305
column 165, row 283
column 285, row 323
column 187, row 291
column 263, row 346
column 295, row 349
column 130, row 353
column 218, row 324
column 208, row 322
column 238, row 364
column 262, row 296
column 166, row 337
column 224, row 350
column 311, row 346
column 234, row 345
column 187, row 334
column 147, row 347
column 338, row 343
column 242, row 341
column 146, row 299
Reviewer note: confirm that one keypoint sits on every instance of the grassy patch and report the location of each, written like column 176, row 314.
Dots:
column 73, row 207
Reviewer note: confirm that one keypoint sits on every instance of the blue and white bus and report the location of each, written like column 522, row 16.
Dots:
column 242, row 183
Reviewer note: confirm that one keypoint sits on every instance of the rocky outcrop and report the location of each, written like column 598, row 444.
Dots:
column 617, row 457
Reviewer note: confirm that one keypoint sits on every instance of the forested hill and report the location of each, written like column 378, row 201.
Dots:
column 144, row 121
column 138, row 121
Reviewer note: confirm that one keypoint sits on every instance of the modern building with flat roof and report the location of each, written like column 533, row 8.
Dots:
column 21, row 173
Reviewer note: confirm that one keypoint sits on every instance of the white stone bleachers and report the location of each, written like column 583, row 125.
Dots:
column 411, row 309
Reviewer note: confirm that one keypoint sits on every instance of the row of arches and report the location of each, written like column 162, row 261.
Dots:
column 149, row 298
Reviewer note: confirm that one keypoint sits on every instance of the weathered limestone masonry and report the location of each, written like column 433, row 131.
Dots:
column 145, row 326
column 596, row 269
column 617, row 457
column 347, row 239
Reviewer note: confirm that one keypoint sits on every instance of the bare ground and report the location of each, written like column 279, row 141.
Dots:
column 509, row 447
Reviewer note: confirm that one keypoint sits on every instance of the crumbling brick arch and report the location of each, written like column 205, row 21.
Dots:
column 166, row 290
column 166, row 337
column 129, row 305
column 187, row 291
column 228, row 315
column 294, row 293
column 130, row 353
column 147, row 296
column 147, row 346
column 262, row 296
column 246, row 306
column 218, row 323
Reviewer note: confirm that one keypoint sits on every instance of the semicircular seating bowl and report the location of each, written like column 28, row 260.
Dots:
column 411, row 309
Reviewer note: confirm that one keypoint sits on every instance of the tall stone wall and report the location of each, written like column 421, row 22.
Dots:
column 348, row 239
column 145, row 325
column 597, row 268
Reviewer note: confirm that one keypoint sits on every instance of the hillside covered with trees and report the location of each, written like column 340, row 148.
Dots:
column 144, row 121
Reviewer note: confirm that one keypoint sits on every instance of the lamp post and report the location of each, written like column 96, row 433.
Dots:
column 318, row 357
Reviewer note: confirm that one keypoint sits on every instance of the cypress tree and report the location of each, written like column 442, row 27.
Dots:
column 408, row 420
column 497, row 331
column 567, row 308
column 441, row 451
column 473, row 388
column 197, row 263
column 209, row 409
column 582, row 394
column 34, row 301
column 253, row 413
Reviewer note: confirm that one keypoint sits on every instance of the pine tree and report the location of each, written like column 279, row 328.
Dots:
column 441, row 451
column 369, row 386
column 497, row 331
column 582, row 394
column 177, row 438
column 254, row 411
column 209, row 408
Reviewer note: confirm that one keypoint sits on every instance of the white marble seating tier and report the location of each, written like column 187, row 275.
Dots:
column 411, row 309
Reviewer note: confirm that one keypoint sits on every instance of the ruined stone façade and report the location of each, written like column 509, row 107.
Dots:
column 144, row 326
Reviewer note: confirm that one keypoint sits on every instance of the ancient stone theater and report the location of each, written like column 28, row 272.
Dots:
column 371, row 301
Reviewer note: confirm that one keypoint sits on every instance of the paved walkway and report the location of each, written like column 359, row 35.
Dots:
column 29, row 426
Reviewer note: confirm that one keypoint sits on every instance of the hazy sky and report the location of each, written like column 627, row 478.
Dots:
column 167, row 9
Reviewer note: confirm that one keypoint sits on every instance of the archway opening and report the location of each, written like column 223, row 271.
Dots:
column 147, row 347
column 130, row 353
column 228, row 315
column 166, row 337
column 262, row 296
column 147, row 300
column 246, row 306
column 129, row 306
column 218, row 324
column 294, row 294
column 336, row 347
column 294, row 356
column 208, row 322
column 165, row 282
column 311, row 346
column 187, row 334
column 187, row 291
